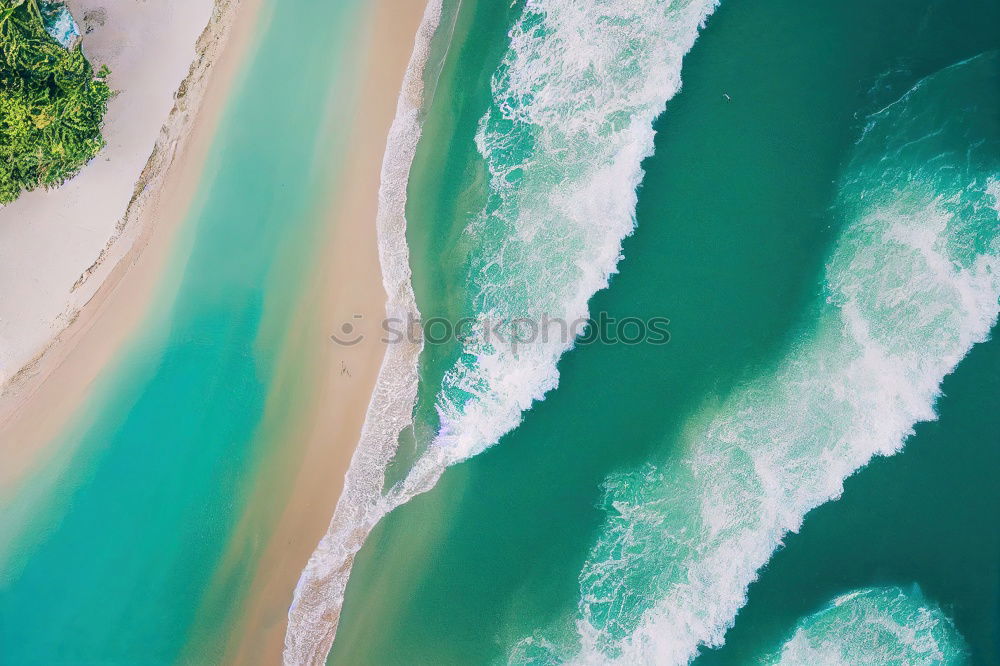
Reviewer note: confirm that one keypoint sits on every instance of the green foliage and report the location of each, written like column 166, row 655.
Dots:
column 51, row 104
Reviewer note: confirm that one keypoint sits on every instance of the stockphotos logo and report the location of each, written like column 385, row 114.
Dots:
column 348, row 334
column 521, row 331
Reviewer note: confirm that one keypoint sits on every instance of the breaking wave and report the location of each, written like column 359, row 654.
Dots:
column 884, row 625
column 912, row 284
column 574, row 102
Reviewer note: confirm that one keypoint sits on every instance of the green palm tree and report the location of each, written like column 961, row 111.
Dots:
column 52, row 104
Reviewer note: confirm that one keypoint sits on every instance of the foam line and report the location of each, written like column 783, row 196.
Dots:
column 912, row 284
column 882, row 625
column 574, row 101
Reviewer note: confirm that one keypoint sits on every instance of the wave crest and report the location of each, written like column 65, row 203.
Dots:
column 574, row 101
column 913, row 284
column 886, row 625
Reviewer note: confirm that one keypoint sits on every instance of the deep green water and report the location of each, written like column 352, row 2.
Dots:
column 736, row 223
column 118, row 553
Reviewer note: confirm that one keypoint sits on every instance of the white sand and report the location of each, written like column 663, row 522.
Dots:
column 57, row 247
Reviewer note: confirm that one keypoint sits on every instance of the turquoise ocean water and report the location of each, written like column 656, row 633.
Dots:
column 116, row 557
column 819, row 222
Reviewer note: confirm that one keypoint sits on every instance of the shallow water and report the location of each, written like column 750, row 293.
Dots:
column 121, row 549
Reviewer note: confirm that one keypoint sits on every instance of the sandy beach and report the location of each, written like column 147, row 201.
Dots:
column 58, row 246
column 291, row 505
column 38, row 400
column 317, row 403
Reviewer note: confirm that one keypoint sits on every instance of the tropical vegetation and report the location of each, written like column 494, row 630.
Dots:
column 52, row 103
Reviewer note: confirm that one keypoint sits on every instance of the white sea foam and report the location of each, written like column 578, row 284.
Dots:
column 574, row 102
column 912, row 285
column 885, row 625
